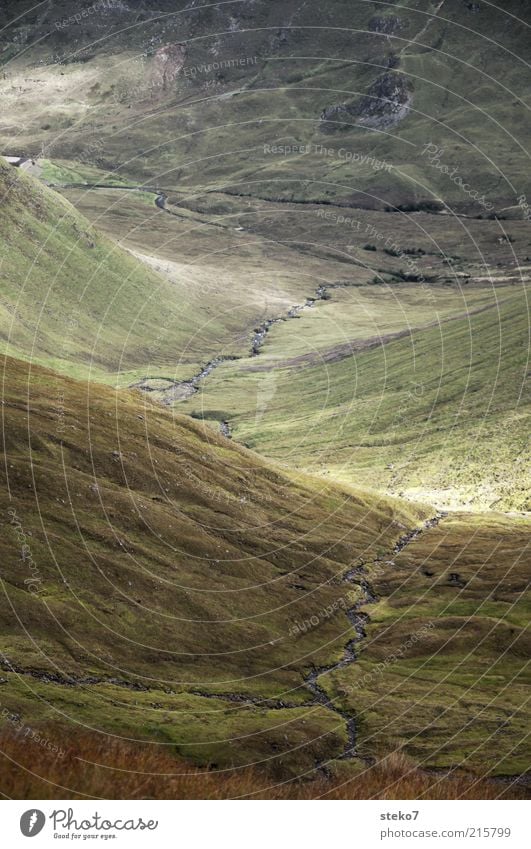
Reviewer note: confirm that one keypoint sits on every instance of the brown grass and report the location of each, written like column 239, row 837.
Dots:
column 93, row 766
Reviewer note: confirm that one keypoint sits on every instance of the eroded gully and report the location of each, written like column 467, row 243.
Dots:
column 180, row 389
column 358, row 620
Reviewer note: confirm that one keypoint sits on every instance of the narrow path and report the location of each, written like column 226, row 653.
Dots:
column 431, row 17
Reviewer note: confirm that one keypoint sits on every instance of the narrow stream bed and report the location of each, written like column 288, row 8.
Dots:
column 358, row 620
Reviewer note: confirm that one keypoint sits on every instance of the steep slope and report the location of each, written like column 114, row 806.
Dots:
column 162, row 584
column 143, row 554
column 69, row 296
column 72, row 299
column 419, row 102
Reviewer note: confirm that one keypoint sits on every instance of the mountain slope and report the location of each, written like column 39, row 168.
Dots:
column 72, row 298
column 162, row 584
column 143, row 553
column 188, row 96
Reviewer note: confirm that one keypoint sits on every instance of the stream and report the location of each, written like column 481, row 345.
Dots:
column 358, row 621
column 179, row 390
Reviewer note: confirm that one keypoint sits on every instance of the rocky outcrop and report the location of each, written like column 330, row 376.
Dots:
column 167, row 63
column 387, row 102
column 332, row 118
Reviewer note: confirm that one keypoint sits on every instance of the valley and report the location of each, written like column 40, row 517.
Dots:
column 470, row 308
column 265, row 399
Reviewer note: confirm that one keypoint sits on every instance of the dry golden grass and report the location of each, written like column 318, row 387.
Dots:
column 100, row 767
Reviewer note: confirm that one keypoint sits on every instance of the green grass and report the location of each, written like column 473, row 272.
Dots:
column 439, row 415
column 141, row 547
column 456, row 694
column 73, row 299
column 104, row 105
column 161, row 554
column 169, row 558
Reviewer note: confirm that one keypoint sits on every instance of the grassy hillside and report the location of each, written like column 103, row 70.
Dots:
column 359, row 358
column 189, row 98
column 163, row 584
column 77, row 301
column 71, row 298
column 439, row 414
column 150, row 564
column 254, row 213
